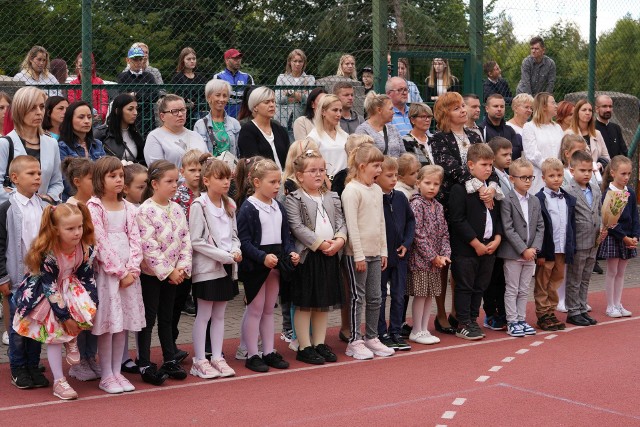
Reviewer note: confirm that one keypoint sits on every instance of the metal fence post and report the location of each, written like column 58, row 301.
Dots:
column 476, row 45
column 593, row 16
column 87, row 47
column 380, row 17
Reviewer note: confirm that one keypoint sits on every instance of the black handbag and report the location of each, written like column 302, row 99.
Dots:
column 7, row 179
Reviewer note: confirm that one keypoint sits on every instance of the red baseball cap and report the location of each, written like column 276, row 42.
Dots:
column 232, row 53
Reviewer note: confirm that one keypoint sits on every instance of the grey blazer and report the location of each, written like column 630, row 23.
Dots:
column 588, row 219
column 515, row 227
column 301, row 212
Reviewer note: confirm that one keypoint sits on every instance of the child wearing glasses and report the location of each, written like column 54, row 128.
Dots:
column 523, row 229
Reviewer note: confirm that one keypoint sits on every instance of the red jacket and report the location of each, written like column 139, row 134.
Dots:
column 100, row 98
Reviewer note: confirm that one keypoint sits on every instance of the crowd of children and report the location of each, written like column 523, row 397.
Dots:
column 132, row 243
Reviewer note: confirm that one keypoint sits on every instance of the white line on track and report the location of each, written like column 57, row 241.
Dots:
column 536, row 343
column 550, row 337
column 508, row 359
column 495, row 368
column 522, row 351
column 482, row 378
column 448, row 415
column 459, row 401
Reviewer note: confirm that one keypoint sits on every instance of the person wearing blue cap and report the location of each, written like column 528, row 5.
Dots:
column 135, row 74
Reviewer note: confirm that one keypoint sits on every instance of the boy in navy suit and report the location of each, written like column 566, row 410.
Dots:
column 475, row 231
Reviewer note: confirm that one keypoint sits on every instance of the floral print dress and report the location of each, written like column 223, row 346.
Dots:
column 64, row 289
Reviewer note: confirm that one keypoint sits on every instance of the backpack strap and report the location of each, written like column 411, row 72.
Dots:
column 7, row 179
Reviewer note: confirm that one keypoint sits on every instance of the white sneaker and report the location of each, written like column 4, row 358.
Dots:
column 241, row 353
column 358, row 350
column 294, row 345
column 562, row 308
column 613, row 312
column 378, row 348
column 221, row 366
column 203, row 369
column 5, row 338
column 430, row 339
column 623, row 311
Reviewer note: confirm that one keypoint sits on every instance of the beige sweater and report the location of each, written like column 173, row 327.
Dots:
column 364, row 214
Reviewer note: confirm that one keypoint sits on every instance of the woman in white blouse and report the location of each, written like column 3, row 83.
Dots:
column 331, row 138
column 35, row 70
column 522, row 105
column 541, row 137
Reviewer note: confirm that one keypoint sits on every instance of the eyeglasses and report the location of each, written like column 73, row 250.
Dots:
column 524, row 178
column 176, row 111
column 401, row 90
column 316, row 172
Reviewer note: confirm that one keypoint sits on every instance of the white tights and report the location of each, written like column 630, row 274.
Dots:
column 421, row 311
column 110, row 348
column 214, row 311
column 54, row 355
column 614, row 281
column 258, row 318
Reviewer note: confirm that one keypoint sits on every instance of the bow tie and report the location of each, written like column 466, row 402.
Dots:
column 557, row 195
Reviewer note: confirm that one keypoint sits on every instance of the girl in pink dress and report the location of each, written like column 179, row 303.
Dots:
column 118, row 259
column 58, row 297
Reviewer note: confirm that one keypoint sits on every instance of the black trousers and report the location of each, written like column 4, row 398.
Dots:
column 493, row 299
column 158, row 297
column 182, row 293
column 472, row 276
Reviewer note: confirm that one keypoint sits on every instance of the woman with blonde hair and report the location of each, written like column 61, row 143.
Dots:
column 378, row 126
column 522, row 106
column 347, row 67
column 291, row 102
column 35, row 70
column 541, row 137
column 440, row 80
column 583, row 124
column 328, row 134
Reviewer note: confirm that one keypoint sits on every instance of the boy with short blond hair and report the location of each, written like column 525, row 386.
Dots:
column 20, row 218
column 475, row 236
column 558, row 244
column 523, row 233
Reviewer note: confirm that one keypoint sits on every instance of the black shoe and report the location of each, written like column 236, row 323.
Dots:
column 477, row 327
column 151, row 375
column 21, row 378
column 275, row 360
column 578, row 320
column 399, row 343
column 174, row 370
column 597, row 269
column 256, row 364
column 405, row 331
column 180, row 355
column 189, row 308
column 443, row 330
column 310, row 355
column 589, row 319
column 37, row 377
column 42, row 368
column 343, row 337
column 386, row 340
column 129, row 369
column 326, row 352
column 453, row 321
column 468, row 332
column 560, row 325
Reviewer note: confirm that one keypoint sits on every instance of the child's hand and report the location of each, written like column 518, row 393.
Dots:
column 325, row 246
column 604, row 232
column 270, row 261
column 127, row 281
column 361, row 266
column 334, row 246
column 540, row 262
column 237, row 256
column 383, row 263
column 295, row 258
column 71, row 327
column 481, row 249
column 492, row 246
column 529, row 254
column 402, row 251
column 175, row 278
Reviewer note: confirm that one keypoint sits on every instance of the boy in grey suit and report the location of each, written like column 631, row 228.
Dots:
column 523, row 234
column 588, row 222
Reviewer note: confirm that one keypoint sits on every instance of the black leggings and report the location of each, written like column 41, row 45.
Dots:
column 158, row 297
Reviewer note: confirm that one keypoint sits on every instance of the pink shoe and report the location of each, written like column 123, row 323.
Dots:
column 203, row 369
column 221, row 366
column 111, row 385
column 73, row 353
column 63, row 390
column 124, row 383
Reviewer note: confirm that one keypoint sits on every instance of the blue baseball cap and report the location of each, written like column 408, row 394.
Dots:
column 135, row 52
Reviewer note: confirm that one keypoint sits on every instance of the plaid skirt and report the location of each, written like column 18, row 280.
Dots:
column 614, row 248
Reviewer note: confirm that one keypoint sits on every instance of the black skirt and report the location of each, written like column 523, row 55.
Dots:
column 220, row 289
column 253, row 280
column 318, row 283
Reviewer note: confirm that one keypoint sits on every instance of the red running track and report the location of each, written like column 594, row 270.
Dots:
column 581, row 376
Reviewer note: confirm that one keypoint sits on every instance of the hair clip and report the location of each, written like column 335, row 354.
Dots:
column 154, row 171
column 309, row 153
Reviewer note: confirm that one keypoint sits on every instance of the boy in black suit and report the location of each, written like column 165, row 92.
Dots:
column 475, row 230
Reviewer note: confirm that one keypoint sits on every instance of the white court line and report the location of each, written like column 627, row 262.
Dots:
column 536, row 343
column 482, row 378
column 495, row 368
column 550, row 337
column 573, row 402
column 522, row 351
column 459, row 401
column 448, row 415
column 508, row 359
column 441, row 425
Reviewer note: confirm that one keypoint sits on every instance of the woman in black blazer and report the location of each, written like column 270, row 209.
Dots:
column 263, row 136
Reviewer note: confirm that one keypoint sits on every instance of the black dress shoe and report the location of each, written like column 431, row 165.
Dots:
column 343, row 337
column 129, row 369
column 443, row 330
column 453, row 321
column 590, row 319
column 597, row 268
column 578, row 320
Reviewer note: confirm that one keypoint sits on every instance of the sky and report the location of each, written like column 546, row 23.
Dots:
column 531, row 16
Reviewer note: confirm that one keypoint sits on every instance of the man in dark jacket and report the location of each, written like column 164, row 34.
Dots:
column 495, row 83
column 611, row 132
column 494, row 125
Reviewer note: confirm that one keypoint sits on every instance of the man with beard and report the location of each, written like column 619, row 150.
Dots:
column 494, row 124
column 611, row 132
